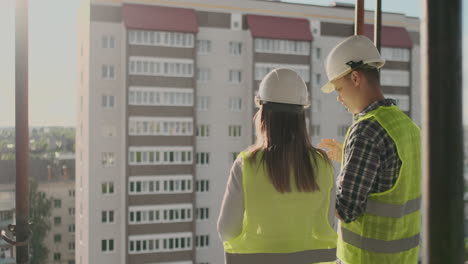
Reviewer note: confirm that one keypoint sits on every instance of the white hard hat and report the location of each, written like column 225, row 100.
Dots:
column 283, row 86
column 350, row 53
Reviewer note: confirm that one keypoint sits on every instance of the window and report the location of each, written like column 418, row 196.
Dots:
column 235, row 76
column 161, row 38
column 57, row 238
column 203, row 103
column 57, row 203
column 149, row 96
column 57, row 220
column 202, row 185
column 170, row 242
column 317, row 79
column 262, row 69
column 235, row 104
column 282, row 46
column 203, row 47
column 107, row 245
column 235, row 48
column 318, row 53
column 108, row 42
column 161, row 126
column 71, row 193
column 107, row 159
column 151, row 214
column 395, row 54
column 107, row 188
column 108, row 72
column 316, row 130
column 394, row 78
column 203, row 131
column 107, row 216
column 107, row 101
column 71, row 228
column 202, row 213
column 234, row 131
column 71, row 245
column 203, row 75
column 160, row 155
column 203, row 158
column 202, row 241
column 236, row 21
column 152, row 66
column 160, row 184
column 71, row 211
column 315, row 26
column 57, row 256
column 402, row 101
column 342, row 130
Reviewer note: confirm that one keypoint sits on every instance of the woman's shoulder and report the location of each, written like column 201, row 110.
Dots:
column 320, row 158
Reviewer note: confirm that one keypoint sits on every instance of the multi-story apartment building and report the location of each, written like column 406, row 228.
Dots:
column 7, row 216
column 166, row 104
column 60, row 239
column 56, row 179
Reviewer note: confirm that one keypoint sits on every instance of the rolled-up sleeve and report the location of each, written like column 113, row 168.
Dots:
column 358, row 174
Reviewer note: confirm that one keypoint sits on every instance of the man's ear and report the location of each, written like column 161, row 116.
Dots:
column 356, row 78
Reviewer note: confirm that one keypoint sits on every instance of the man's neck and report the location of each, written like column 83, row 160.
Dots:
column 371, row 96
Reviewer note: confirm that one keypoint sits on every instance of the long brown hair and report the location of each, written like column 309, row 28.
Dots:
column 282, row 138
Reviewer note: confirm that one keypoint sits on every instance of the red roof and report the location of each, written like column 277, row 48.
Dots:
column 396, row 37
column 162, row 18
column 274, row 27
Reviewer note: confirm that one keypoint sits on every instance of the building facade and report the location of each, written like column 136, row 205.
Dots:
column 56, row 180
column 166, row 104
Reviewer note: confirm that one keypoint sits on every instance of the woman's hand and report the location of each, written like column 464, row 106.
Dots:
column 334, row 149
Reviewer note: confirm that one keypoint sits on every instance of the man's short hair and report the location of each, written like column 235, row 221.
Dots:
column 371, row 73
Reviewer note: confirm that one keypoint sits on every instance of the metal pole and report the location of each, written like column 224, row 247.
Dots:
column 22, row 130
column 377, row 23
column 359, row 18
column 443, row 185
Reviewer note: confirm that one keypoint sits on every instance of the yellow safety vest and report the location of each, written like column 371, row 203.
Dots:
column 388, row 231
column 289, row 223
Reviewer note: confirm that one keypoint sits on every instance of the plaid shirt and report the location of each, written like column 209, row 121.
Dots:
column 371, row 164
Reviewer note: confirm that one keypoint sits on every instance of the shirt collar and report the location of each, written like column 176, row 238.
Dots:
column 375, row 105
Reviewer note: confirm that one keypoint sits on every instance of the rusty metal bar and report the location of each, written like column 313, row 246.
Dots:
column 22, row 129
column 359, row 18
column 378, row 23
column 441, row 64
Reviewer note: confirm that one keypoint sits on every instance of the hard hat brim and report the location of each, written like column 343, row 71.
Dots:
column 328, row 88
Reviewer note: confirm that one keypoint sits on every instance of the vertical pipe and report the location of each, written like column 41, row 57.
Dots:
column 441, row 63
column 359, row 18
column 378, row 23
column 22, row 130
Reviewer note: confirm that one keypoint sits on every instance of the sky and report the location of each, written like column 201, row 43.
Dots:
column 53, row 78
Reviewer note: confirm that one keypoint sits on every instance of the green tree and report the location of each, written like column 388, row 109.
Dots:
column 39, row 214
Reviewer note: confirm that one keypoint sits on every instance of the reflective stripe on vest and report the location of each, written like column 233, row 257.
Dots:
column 379, row 246
column 302, row 257
column 393, row 210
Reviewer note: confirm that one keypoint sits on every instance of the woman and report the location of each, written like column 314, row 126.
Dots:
column 279, row 202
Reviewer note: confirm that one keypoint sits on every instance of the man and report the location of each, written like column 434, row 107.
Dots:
column 378, row 194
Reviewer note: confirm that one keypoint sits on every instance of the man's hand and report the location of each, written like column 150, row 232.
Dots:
column 335, row 149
